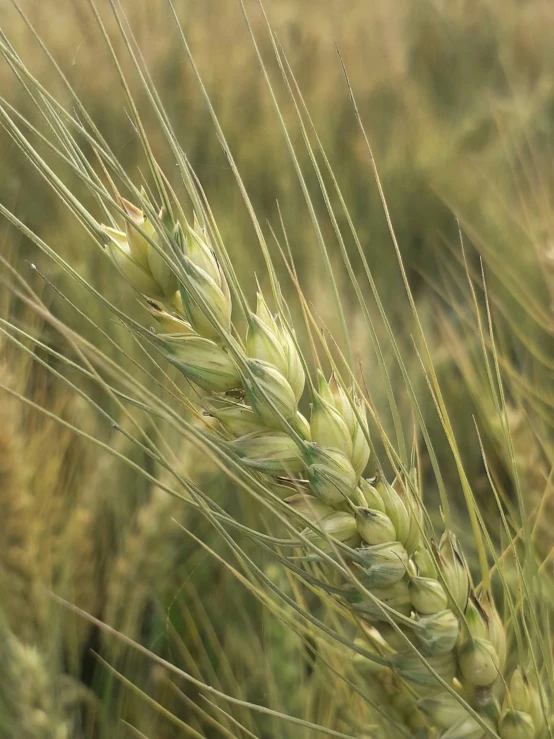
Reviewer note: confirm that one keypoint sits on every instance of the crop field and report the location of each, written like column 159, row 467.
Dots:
column 276, row 369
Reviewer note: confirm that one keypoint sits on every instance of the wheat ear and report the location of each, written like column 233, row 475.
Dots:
column 439, row 648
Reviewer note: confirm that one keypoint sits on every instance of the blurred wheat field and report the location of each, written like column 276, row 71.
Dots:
column 458, row 101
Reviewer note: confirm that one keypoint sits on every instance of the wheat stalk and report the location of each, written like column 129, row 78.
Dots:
column 24, row 606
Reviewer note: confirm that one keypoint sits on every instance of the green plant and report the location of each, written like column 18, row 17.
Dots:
column 430, row 644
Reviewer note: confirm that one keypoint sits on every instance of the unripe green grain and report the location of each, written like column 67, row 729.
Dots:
column 331, row 476
column 516, row 725
column 203, row 362
column 478, row 662
column 383, row 564
column 337, row 525
column 139, row 277
column 212, row 295
column 269, row 451
column 438, row 632
column 374, row 527
column 328, row 428
column 454, row 569
column 262, row 343
column 371, row 496
column 270, row 394
column 427, row 595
